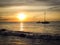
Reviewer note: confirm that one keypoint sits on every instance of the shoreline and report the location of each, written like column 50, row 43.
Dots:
column 5, row 32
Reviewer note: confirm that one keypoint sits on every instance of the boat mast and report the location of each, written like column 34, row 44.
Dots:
column 44, row 16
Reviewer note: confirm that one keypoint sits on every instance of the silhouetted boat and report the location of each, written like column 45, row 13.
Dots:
column 45, row 22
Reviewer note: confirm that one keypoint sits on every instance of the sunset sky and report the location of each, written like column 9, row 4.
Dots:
column 33, row 9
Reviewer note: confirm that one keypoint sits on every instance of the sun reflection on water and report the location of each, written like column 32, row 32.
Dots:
column 21, row 27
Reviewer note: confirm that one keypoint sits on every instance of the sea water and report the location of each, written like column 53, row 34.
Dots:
column 51, row 28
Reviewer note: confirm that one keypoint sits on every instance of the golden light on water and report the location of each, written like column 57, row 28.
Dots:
column 21, row 16
column 21, row 27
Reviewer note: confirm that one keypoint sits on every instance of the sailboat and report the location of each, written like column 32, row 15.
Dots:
column 45, row 22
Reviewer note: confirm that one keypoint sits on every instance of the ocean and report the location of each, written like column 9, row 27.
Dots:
column 51, row 28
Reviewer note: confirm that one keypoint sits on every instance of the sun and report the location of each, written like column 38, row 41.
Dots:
column 21, row 16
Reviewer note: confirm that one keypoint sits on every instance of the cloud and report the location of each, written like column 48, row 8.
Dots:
column 17, row 2
column 36, row 3
column 55, row 8
column 50, row 2
column 3, row 19
column 11, row 2
column 29, row 2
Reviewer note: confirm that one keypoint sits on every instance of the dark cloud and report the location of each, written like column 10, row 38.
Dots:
column 10, row 4
column 55, row 8
column 28, row 2
column 3, row 19
column 55, row 3
column 4, row 3
column 50, row 2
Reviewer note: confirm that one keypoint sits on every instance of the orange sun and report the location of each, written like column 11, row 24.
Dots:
column 21, row 16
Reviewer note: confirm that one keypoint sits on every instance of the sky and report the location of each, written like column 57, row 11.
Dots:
column 34, row 9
